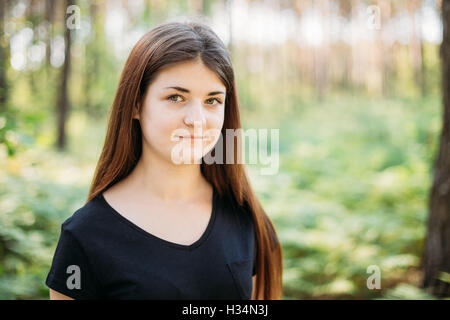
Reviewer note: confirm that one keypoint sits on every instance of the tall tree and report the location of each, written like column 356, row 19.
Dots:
column 387, row 11
column 321, row 52
column 63, row 97
column 228, row 7
column 49, row 12
column 92, row 61
column 345, row 50
column 4, row 53
column 416, row 47
column 436, row 260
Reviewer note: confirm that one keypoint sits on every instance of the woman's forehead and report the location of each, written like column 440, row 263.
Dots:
column 190, row 75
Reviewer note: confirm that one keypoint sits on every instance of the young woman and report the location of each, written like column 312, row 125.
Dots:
column 155, row 228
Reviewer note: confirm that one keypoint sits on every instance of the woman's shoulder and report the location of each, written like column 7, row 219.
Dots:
column 240, row 214
column 85, row 218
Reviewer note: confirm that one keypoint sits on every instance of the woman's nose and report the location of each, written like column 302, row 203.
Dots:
column 195, row 114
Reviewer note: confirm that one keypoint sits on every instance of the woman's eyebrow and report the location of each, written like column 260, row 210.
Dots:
column 186, row 90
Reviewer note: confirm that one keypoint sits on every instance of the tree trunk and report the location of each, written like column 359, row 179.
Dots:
column 49, row 11
column 387, row 51
column 416, row 47
column 321, row 52
column 63, row 100
column 4, row 58
column 436, row 260
column 230, row 46
column 91, row 64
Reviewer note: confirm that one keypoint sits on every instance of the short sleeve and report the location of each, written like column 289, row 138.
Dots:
column 70, row 272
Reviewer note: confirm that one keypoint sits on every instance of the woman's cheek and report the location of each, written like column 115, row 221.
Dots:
column 216, row 121
column 153, row 130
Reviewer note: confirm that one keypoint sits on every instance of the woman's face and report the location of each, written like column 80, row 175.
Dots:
column 183, row 112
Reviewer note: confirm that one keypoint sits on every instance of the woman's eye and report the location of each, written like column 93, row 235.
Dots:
column 176, row 96
column 212, row 99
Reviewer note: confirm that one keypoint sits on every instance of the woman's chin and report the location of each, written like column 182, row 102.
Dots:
column 192, row 156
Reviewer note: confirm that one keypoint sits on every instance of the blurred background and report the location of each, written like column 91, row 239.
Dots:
column 354, row 87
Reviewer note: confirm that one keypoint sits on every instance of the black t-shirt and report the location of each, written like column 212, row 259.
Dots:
column 103, row 255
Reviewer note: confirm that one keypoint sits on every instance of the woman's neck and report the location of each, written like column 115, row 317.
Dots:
column 167, row 181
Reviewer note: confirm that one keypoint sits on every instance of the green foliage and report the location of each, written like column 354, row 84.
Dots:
column 407, row 292
column 352, row 192
column 42, row 189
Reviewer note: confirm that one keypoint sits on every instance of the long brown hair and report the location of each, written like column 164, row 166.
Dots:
column 164, row 45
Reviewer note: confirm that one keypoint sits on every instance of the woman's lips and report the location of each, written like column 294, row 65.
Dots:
column 191, row 137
